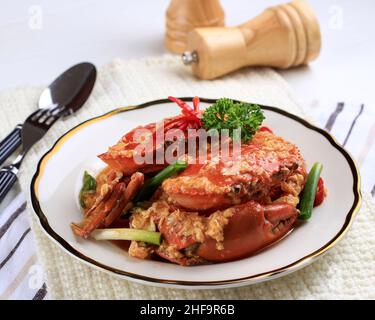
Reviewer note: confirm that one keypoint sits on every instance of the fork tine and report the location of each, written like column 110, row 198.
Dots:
column 42, row 118
column 37, row 115
column 50, row 120
column 56, row 110
column 45, row 116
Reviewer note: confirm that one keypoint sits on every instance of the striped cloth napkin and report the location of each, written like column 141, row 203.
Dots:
column 21, row 277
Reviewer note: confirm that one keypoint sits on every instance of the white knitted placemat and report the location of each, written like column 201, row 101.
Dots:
column 347, row 271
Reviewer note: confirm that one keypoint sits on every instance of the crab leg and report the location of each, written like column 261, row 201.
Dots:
column 135, row 183
column 110, row 206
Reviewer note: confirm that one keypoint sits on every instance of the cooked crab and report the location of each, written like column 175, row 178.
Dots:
column 215, row 211
column 221, row 211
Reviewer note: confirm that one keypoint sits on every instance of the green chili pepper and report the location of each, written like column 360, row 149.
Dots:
column 152, row 184
column 88, row 185
column 308, row 194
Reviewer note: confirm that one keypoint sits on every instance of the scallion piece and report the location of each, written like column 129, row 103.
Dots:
column 308, row 193
column 127, row 234
column 152, row 184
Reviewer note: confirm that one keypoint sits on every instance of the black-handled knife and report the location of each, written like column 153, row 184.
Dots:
column 64, row 96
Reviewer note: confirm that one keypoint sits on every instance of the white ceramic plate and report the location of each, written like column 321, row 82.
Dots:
column 54, row 192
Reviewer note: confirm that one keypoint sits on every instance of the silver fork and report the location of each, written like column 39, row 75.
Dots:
column 33, row 129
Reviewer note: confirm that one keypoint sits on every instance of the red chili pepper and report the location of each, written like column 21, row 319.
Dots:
column 319, row 196
column 180, row 120
column 264, row 128
column 186, row 109
column 172, row 122
column 183, row 126
column 191, row 118
column 196, row 103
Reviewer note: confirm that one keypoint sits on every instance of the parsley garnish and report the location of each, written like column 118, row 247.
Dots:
column 227, row 114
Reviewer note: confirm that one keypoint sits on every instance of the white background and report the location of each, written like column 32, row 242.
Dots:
column 72, row 31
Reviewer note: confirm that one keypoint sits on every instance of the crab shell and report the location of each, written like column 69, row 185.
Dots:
column 141, row 142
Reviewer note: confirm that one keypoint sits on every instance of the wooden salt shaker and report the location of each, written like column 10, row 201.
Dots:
column 185, row 15
column 283, row 36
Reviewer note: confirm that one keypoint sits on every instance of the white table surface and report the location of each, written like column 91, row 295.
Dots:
column 34, row 51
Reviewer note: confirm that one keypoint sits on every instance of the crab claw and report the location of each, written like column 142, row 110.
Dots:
column 251, row 228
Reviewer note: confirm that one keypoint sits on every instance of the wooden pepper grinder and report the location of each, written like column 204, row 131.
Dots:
column 283, row 36
column 185, row 15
